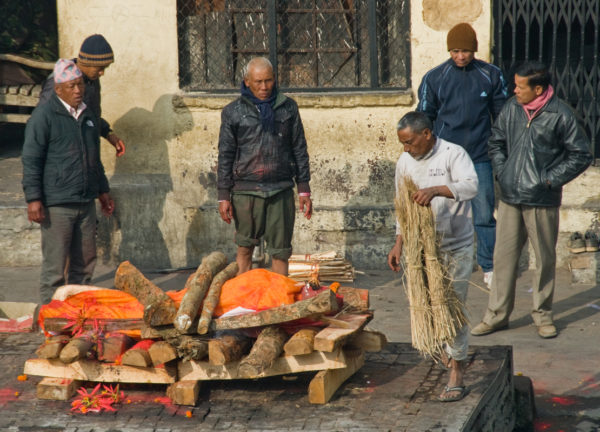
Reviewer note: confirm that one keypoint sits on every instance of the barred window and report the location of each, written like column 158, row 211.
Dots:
column 313, row 44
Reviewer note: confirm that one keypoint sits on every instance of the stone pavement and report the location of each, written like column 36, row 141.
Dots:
column 395, row 390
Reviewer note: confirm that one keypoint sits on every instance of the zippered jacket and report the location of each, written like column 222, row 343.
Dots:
column 61, row 156
column 463, row 103
column 532, row 160
column 252, row 159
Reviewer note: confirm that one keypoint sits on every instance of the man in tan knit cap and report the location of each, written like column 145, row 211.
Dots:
column 462, row 97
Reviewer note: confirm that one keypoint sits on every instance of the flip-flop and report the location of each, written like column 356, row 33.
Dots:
column 462, row 393
column 445, row 361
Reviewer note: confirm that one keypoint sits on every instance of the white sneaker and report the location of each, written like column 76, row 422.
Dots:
column 487, row 278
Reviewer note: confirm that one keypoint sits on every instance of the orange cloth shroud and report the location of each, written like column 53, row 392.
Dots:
column 257, row 289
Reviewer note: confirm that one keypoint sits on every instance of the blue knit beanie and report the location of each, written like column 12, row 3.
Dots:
column 95, row 51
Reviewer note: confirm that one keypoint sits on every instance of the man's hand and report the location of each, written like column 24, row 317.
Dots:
column 305, row 204
column 35, row 211
column 424, row 196
column 395, row 254
column 226, row 211
column 106, row 203
column 117, row 143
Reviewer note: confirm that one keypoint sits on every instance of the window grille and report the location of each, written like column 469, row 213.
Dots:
column 313, row 44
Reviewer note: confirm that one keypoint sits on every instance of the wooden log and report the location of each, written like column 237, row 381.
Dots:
column 268, row 346
column 162, row 352
column 159, row 309
column 301, row 342
column 138, row 354
column 331, row 337
column 227, row 348
column 184, row 392
column 357, row 298
column 52, row 347
column 113, row 346
column 76, row 349
column 325, row 383
column 368, row 340
column 212, row 297
column 92, row 370
column 283, row 365
column 322, row 303
column 197, row 286
column 190, row 347
column 57, row 324
column 57, row 388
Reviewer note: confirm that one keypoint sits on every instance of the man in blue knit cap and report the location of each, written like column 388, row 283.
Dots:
column 95, row 55
column 262, row 153
column 462, row 97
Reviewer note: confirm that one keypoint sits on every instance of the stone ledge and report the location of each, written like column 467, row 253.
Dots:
column 358, row 99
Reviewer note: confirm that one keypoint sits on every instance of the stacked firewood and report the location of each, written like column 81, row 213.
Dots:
column 325, row 266
column 189, row 332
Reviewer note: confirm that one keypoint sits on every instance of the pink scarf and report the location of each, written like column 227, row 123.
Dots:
column 533, row 107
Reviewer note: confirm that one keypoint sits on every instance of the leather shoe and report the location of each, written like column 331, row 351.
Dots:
column 482, row 329
column 547, row 331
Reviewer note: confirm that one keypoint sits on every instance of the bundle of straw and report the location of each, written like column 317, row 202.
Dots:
column 327, row 266
column 435, row 311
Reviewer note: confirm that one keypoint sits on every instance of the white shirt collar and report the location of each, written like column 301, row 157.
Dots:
column 74, row 112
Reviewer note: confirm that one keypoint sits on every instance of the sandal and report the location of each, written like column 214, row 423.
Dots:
column 462, row 393
column 445, row 361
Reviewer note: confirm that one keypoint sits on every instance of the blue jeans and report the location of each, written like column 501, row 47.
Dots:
column 483, row 216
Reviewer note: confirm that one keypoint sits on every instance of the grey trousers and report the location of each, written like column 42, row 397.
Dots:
column 516, row 224
column 460, row 267
column 68, row 247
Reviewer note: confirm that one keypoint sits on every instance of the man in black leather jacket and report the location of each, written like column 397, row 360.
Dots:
column 262, row 152
column 537, row 146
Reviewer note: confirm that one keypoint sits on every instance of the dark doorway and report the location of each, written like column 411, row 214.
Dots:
column 563, row 34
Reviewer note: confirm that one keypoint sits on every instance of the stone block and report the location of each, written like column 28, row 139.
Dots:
column 585, row 267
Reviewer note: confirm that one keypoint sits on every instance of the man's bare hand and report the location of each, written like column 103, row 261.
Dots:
column 305, row 204
column 226, row 211
column 395, row 255
column 106, row 204
column 117, row 143
column 35, row 211
column 424, row 196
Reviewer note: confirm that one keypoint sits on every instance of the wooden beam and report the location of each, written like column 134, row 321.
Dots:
column 283, row 365
column 184, row 392
column 331, row 338
column 138, row 354
column 357, row 298
column 322, row 303
column 368, row 340
column 92, row 370
column 162, row 352
column 57, row 388
column 324, row 385
column 57, row 324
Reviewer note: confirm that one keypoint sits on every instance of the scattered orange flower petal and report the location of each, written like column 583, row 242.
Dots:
column 188, row 414
column 128, row 401
column 17, row 394
column 22, row 377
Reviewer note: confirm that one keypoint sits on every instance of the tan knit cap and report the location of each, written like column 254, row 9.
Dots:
column 462, row 36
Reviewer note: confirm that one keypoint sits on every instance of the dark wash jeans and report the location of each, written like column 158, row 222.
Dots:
column 483, row 216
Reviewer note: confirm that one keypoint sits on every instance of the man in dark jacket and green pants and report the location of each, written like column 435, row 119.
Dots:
column 262, row 152
column 537, row 146
column 62, row 177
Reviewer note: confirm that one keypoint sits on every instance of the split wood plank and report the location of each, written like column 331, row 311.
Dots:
column 283, row 365
column 357, row 298
column 162, row 352
column 214, row 294
column 184, row 392
column 92, row 370
column 197, row 286
column 325, row 383
column 52, row 346
column 159, row 308
column 368, row 340
column 57, row 324
column 57, row 388
column 268, row 346
column 138, row 354
column 301, row 342
column 113, row 346
column 331, row 338
column 322, row 303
